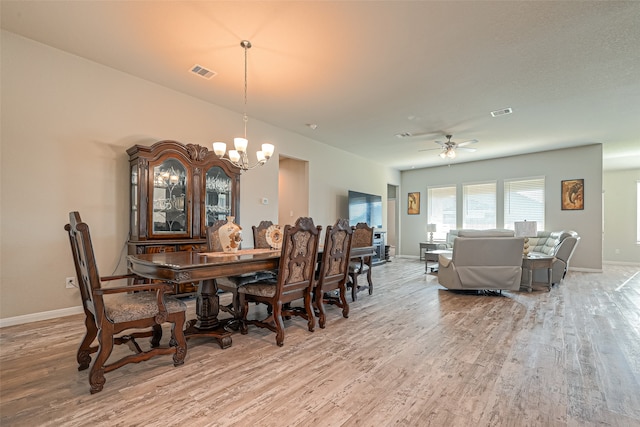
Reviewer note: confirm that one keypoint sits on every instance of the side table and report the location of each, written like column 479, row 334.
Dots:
column 429, row 246
column 531, row 262
column 431, row 259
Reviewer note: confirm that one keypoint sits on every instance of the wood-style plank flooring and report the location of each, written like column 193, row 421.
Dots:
column 412, row 354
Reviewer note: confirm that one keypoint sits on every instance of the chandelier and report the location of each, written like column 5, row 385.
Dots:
column 239, row 157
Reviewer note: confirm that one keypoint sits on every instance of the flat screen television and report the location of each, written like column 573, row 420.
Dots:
column 365, row 207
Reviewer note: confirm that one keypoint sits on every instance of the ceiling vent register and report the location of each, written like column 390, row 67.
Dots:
column 203, row 72
column 501, row 112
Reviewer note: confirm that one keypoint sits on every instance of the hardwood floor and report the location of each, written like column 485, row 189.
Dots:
column 411, row 354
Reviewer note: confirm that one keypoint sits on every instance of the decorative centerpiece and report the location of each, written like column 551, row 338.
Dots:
column 230, row 235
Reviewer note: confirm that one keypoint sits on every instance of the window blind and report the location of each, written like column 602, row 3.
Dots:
column 524, row 200
column 479, row 206
column 441, row 210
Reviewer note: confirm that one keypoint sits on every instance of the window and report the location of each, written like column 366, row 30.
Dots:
column 524, row 200
column 441, row 210
column 479, row 206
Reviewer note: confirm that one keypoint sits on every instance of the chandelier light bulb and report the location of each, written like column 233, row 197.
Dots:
column 234, row 156
column 219, row 148
column 240, row 144
column 268, row 149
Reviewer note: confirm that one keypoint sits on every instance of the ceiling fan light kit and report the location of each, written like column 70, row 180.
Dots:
column 449, row 148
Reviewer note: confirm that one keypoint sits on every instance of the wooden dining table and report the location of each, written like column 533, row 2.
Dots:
column 204, row 268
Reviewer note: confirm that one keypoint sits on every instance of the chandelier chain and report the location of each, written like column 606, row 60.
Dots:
column 246, row 45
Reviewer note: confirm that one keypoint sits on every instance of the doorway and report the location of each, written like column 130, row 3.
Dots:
column 293, row 190
column 393, row 217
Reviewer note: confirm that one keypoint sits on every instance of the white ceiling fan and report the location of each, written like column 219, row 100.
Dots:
column 448, row 148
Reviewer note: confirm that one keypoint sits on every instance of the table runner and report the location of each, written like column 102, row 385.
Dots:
column 240, row 252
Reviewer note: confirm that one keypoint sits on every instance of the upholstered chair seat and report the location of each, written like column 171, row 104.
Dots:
column 120, row 308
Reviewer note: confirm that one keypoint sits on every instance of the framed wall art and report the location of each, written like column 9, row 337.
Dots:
column 572, row 193
column 413, row 206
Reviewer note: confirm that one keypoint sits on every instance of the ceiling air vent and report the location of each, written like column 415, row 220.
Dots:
column 404, row 134
column 501, row 112
column 202, row 72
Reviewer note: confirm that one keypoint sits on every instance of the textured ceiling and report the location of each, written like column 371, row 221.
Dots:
column 364, row 71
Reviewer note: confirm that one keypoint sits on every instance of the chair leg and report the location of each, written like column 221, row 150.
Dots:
column 105, row 346
column 84, row 351
column 277, row 319
column 244, row 306
column 370, row 281
column 178, row 340
column 311, row 320
column 320, row 306
column 354, row 287
column 343, row 301
column 156, row 336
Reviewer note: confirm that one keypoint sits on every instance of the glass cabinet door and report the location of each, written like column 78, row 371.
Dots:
column 169, row 212
column 134, row 201
column 217, row 195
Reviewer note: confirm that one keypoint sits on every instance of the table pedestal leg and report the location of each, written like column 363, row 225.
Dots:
column 207, row 305
column 207, row 323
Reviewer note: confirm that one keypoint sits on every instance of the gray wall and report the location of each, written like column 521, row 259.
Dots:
column 582, row 162
column 620, row 216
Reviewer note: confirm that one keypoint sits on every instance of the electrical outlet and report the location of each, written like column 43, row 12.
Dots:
column 70, row 283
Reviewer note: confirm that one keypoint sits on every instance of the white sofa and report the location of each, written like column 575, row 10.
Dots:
column 561, row 244
column 482, row 260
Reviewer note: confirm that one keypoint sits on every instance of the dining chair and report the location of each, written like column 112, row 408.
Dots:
column 334, row 269
column 362, row 236
column 259, row 235
column 111, row 311
column 232, row 283
column 294, row 282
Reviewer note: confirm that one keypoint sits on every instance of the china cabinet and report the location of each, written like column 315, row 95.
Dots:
column 177, row 191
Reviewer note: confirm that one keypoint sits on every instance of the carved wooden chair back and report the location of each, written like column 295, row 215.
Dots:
column 334, row 269
column 362, row 236
column 213, row 238
column 259, row 235
column 113, row 310
column 295, row 280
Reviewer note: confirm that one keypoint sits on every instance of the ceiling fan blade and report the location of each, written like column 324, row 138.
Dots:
column 471, row 141
column 430, row 149
column 468, row 149
column 440, row 143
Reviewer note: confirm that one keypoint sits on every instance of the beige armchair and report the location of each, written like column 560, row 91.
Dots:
column 482, row 260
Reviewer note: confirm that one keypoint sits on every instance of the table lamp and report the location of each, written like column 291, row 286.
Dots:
column 526, row 229
column 430, row 229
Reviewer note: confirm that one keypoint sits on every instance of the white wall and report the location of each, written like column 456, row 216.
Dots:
column 620, row 216
column 582, row 162
column 66, row 124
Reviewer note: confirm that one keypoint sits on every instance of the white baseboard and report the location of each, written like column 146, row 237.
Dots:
column 586, row 270
column 627, row 263
column 45, row 315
